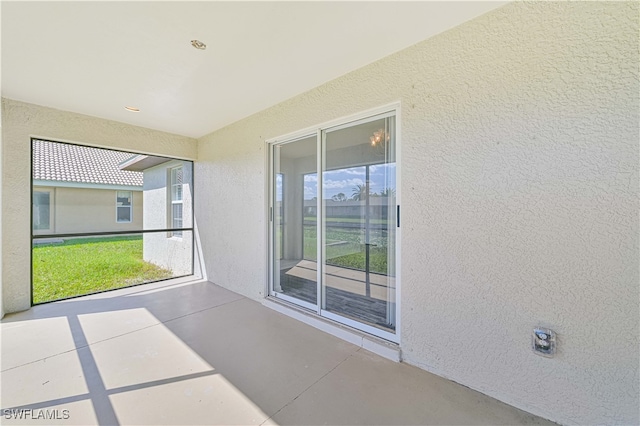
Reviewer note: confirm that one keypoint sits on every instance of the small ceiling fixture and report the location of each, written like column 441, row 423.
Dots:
column 132, row 109
column 198, row 44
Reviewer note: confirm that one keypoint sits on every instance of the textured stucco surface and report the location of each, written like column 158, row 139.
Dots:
column 519, row 187
column 20, row 122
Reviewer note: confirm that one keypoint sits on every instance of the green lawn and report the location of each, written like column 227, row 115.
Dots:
column 377, row 260
column 345, row 248
column 88, row 265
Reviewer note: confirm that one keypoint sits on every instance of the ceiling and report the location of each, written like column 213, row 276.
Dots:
column 96, row 58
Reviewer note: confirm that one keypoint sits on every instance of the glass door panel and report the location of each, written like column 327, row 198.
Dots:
column 359, row 223
column 294, row 233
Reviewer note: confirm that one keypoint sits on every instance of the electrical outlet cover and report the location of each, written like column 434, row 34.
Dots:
column 544, row 342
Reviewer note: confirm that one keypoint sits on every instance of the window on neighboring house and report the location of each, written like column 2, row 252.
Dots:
column 176, row 201
column 41, row 210
column 124, row 202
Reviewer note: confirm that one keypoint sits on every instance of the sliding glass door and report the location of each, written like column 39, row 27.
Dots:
column 294, row 230
column 333, row 239
column 358, row 280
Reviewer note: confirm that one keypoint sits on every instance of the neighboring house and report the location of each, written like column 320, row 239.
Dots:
column 78, row 189
column 168, row 205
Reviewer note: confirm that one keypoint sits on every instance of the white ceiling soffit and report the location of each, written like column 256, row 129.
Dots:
column 96, row 58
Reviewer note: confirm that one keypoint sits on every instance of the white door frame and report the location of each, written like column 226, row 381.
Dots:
column 319, row 131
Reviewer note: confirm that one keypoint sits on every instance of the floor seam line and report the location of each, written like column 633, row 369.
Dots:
column 202, row 310
column 77, row 348
column 119, row 335
column 38, row 360
column 159, row 323
column 311, row 385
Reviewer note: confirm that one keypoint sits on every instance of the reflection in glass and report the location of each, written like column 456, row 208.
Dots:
column 359, row 223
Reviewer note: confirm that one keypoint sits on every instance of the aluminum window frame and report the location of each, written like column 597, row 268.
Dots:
column 175, row 202
column 51, row 192
column 119, row 207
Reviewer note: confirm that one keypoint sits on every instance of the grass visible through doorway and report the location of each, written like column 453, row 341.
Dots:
column 88, row 265
column 345, row 248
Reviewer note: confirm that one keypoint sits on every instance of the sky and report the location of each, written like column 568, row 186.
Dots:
column 346, row 180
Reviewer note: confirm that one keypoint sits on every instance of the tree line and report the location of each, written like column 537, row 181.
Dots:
column 360, row 193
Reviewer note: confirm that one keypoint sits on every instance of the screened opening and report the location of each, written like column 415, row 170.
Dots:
column 106, row 219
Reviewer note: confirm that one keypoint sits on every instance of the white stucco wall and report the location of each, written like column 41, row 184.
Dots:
column 1, row 214
column 167, row 251
column 519, row 182
column 20, row 122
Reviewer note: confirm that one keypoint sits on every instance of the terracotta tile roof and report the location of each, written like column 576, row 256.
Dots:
column 73, row 163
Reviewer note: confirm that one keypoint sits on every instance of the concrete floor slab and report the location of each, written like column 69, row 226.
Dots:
column 44, row 383
column 33, row 340
column 266, row 355
column 367, row 389
column 151, row 355
column 205, row 400
column 48, row 329
column 198, row 354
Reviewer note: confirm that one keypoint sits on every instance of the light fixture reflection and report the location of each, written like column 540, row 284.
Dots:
column 379, row 137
